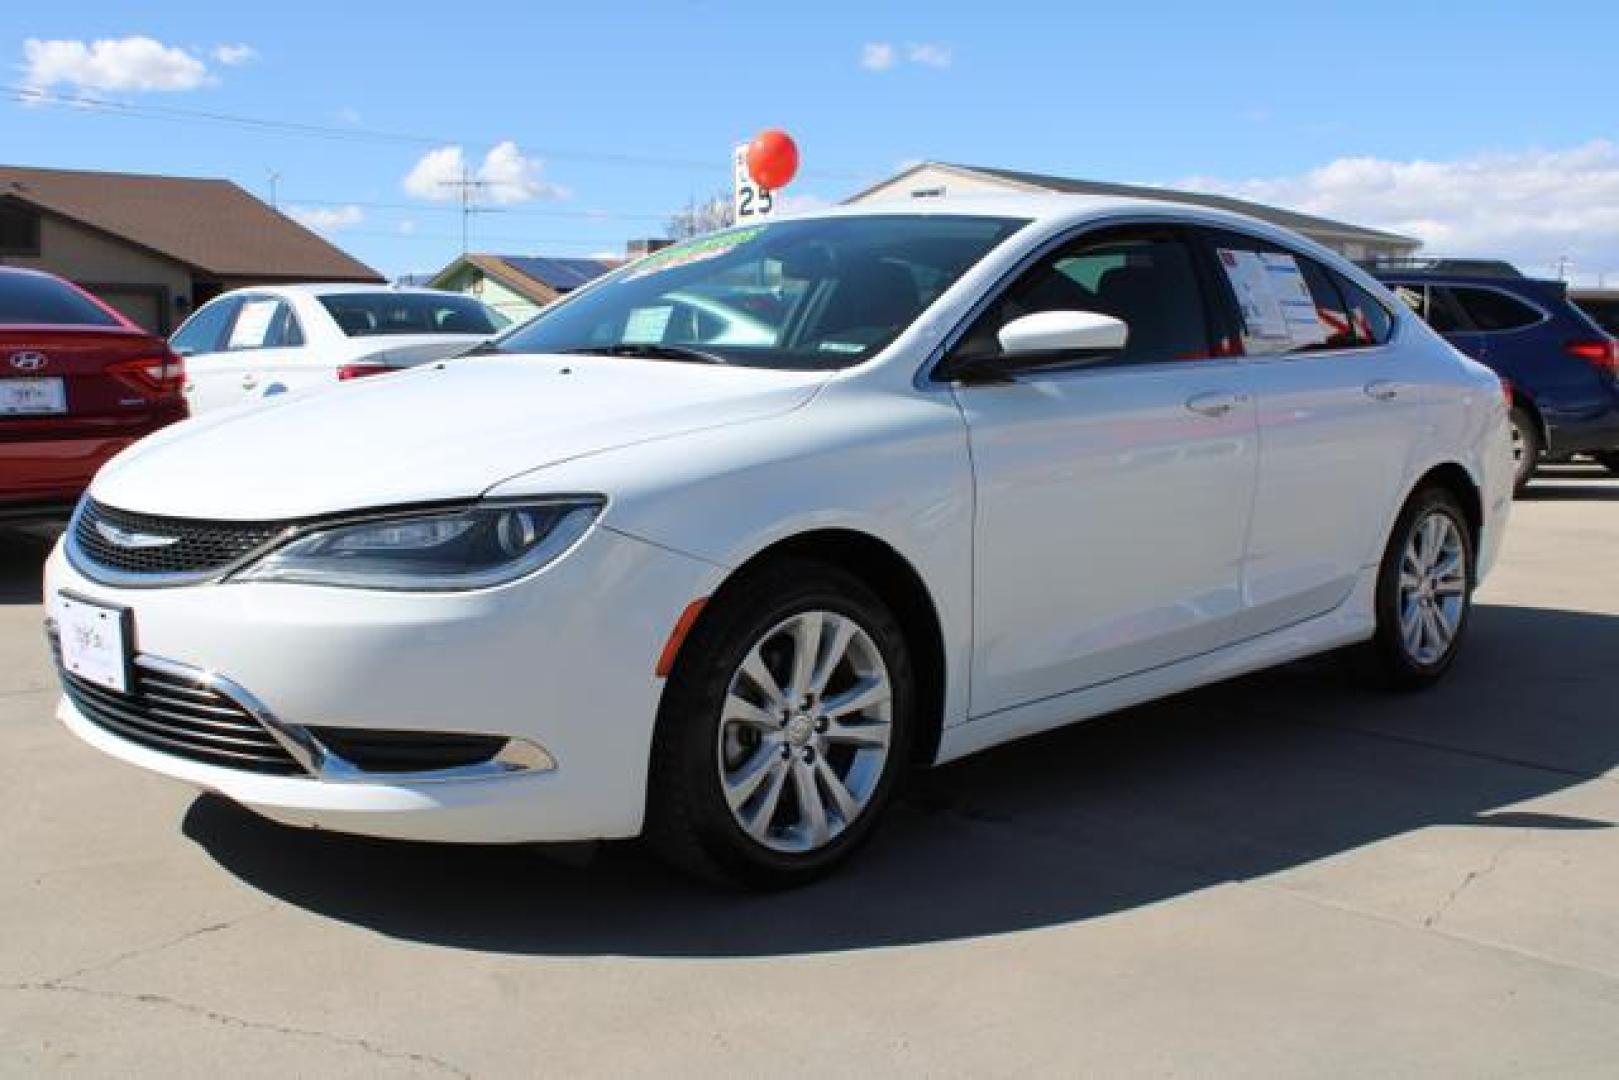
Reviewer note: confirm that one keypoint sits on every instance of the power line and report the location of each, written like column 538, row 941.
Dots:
column 455, row 208
column 33, row 95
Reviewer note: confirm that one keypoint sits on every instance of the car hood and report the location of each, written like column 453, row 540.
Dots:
column 446, row 431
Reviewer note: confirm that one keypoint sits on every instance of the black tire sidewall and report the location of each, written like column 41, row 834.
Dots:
column 1404, row 670
column 688, row 721
column 1529, row 433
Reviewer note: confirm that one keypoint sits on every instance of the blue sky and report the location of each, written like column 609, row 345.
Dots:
column 1491, row 130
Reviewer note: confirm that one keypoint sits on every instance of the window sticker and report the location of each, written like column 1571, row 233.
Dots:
column 252, row 324
column 1277, row 308
column 647, row 325
column 693, row 251
column 1411, row 298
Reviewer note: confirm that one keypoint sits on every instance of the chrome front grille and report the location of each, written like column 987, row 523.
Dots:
column 136, row 545
column 173, row 713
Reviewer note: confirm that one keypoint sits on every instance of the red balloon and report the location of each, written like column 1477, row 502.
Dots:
column 773, row 159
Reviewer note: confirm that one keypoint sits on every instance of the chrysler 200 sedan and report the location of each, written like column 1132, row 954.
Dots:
column 998, row 466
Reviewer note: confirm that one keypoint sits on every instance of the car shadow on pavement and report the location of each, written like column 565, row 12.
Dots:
column 22, row 564
column 1223, row 784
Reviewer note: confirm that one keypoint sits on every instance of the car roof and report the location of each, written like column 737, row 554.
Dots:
column 1054, row 209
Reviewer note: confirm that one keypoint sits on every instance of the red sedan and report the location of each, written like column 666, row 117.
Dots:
column 78, row 383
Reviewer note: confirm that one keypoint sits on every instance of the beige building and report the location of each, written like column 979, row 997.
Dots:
column 155, row 247
column 936, row 179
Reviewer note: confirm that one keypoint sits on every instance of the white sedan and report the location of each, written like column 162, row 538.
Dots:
column 267, row 340
column 1000, row 466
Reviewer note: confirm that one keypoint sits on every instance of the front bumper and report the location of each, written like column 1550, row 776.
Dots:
column 563, row 660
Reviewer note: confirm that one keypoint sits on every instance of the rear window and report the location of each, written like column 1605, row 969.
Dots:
column 39, row 300
column 1605, row 313
column 1492, row 310
column 376, row 314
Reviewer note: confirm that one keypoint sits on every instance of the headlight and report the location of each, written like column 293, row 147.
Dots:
column 474, row 548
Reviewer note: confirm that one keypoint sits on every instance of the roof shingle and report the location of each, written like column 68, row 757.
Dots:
column 212, row 226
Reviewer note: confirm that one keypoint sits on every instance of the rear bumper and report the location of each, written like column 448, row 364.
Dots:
column 48, row 473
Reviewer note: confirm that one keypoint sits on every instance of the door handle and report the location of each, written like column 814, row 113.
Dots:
column 1216, row 404
column 1382, row 390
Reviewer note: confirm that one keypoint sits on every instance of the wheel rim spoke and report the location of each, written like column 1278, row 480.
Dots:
column 832, row 655
column 758, row 823
column 874, row 734
column 741, row 711
column 759, row 675
column 857, row 698
column 806, row 636
column 746, row 782
column 842, row 801
column 811, row 810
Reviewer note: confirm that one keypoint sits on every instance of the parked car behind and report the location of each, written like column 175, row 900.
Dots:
column 1560, row 367
column 260, row 342
column 78, row 383
column 999, row 466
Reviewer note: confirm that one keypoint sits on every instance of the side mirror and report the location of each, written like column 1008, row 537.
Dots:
column 1063, row 331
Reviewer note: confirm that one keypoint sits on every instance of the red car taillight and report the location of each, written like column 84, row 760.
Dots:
column 1600, row 353
column 151, row 374
column 360, row 371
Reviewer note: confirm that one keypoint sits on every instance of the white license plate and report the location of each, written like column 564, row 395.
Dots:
column 95, row 641
column 32, row 397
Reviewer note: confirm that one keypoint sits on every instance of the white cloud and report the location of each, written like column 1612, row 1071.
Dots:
column 348, row 114
column 131, row 63
column 930, row 54
column 407, row 227
column 235, row 55
column 877, row 56
column 1532, row 207
column 327, row 218
column 507, row 175
column 883, row 55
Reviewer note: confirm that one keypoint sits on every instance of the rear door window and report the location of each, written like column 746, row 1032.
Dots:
column 1491, row 310
column 1434, row 305
column 1369, row 320
column 1286, row 302
column 262, row 322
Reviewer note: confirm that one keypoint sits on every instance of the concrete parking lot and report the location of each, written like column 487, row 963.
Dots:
column 1283, row 875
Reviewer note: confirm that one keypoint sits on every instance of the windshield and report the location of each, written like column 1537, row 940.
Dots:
column 815, row 294
column 371, row 314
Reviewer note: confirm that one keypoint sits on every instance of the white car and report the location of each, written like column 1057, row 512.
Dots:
column 267, row 340
column 1005, row 465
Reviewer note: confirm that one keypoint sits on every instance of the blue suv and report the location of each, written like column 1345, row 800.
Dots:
column 1560, row 368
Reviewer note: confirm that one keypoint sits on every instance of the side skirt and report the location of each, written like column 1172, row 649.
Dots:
column 1352, row 621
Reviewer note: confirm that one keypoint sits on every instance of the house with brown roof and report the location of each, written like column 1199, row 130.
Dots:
column 156, row 247
column 938, row 179
column 518, row 286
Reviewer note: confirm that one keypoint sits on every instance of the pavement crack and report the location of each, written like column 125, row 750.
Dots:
column 1471, row 878
column 230, row 1020
column 63, row 980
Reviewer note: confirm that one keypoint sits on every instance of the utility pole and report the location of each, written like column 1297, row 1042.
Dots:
column 1562, row 267
column 275, row 179
column 469, row 188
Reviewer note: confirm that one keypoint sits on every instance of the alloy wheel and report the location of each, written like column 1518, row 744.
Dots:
column 804, row 731
column 1433, row 587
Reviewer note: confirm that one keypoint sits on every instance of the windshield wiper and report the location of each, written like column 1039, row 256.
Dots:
column 649, row 352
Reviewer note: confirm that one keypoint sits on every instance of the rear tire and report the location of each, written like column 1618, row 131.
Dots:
column 1527, row 447
column 783, row 729
column 1424, row 591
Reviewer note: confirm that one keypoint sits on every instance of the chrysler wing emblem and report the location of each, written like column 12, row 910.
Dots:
column 124, row 538
column 28, row 361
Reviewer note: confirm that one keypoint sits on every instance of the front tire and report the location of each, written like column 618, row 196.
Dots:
column 783, row 729
column 1424, row 591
